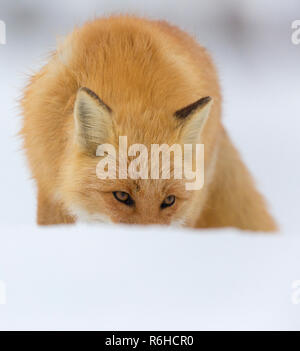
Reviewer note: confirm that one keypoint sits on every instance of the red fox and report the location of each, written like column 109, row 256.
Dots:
column 153, row 83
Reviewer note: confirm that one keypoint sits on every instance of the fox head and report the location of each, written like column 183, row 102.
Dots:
column 142, row 199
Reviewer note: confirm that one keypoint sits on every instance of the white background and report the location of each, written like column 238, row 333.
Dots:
column 120, row 278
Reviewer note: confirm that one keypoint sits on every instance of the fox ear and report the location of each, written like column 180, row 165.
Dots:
column 193, row 118
column 93, row 123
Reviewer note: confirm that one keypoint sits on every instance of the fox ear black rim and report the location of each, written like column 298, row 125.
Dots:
column 187, row 110
column 92, row 94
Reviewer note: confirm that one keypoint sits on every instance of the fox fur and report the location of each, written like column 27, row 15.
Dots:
column 131, row 76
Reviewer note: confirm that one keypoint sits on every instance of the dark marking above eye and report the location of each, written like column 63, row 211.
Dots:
column 186, row 111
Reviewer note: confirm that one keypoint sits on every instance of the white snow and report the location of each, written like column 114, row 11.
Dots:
column 105, row 278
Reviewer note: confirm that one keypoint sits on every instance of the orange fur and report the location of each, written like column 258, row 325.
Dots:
column 144, row 71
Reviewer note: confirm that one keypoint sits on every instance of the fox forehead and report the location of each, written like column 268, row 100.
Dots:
column 139, row 71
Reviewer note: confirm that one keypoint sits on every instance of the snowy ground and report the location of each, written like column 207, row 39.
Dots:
column 86, row 277
column 119, row 278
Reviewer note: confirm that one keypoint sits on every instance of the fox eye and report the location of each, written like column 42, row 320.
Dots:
column 123, row 197
column 168, row 201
